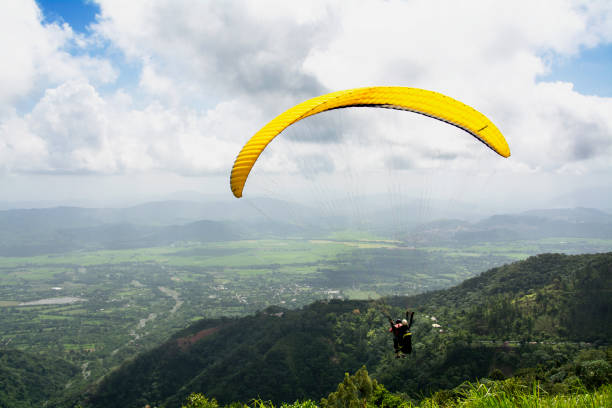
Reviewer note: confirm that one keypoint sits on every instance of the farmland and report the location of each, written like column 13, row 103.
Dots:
column 97, row 308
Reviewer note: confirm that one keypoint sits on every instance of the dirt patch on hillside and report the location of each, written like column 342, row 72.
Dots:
column 185, row 342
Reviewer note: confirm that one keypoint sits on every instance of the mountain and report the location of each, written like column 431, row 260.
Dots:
column 528, row 225
column 115, row 236
column 28, row 232
column 159, row 213
column 547, row 306
column 28, row 380
column 577, row 215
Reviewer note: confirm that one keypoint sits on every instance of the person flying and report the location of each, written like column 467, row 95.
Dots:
column 402, row 337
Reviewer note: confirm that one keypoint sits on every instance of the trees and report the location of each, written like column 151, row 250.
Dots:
column 353, row 392
column 197, row 400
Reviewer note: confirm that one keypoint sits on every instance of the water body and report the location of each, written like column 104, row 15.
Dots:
column 53, row 301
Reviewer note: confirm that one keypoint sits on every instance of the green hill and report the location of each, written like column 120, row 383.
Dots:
column 28, row 380
column 538, row 312
column 547, row 296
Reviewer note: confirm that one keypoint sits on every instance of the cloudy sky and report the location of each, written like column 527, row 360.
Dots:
column 110, row 102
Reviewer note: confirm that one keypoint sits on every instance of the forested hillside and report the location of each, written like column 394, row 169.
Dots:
column 28, row 380
column 546, row 296
column 536, row 313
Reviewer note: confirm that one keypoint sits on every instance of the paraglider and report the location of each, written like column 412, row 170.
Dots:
column 402, row 337
column 421, row 101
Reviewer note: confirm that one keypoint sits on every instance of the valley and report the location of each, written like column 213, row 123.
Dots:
column 96, row 297
column 100, row 307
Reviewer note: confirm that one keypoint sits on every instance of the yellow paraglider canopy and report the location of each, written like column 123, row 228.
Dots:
column 421, row 101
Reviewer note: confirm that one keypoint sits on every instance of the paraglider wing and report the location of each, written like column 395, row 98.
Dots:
column 421, row 101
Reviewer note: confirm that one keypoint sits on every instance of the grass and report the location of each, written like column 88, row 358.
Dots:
column 476, row 395
column 361, row 294
column 509, row 394
column 263, row 252
column 77, row 347
column 52, row 317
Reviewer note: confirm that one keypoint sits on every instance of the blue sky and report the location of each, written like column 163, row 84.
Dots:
column 78, row 13
column 590, row 70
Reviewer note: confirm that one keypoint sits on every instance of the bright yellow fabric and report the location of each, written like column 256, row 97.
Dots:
column 428, row 103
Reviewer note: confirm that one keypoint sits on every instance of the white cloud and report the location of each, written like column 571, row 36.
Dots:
column 73, row 129
column 20, row 149
column 212, row 73
column 36, row 55
column 215, row 49
column 487, row 54
column 72, row 120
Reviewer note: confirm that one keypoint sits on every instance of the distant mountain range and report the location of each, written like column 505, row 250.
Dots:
column 25, row 232
column 153, row 213
column 528, row 225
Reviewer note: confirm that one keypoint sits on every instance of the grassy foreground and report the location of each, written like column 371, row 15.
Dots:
column 482, row 395
column 475, row 395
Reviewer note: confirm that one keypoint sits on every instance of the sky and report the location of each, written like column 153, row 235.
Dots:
column 107, row 102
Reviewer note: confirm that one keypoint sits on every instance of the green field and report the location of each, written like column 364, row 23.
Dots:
column 131, row 300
